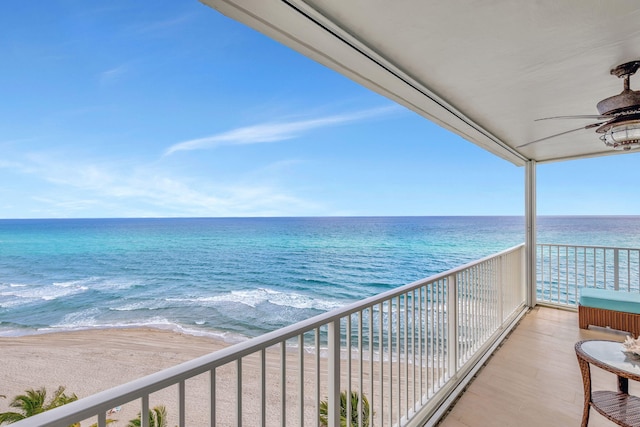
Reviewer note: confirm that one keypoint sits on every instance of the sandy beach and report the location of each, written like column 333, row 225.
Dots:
column 86, row 362
column 90, row 361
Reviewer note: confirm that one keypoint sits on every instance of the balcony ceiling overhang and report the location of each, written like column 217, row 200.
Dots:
column 485, row 70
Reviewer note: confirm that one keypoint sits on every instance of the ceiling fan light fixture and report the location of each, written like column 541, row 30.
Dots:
column 624, row 136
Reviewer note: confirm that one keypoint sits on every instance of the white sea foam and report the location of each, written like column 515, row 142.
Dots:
column 139, row 305
column 90, row 319
column 71, row 283
column 98, row 283
column 255, row 297
column 25, row 293
column 79, row 319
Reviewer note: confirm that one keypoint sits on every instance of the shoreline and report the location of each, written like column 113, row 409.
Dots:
column 230, row 338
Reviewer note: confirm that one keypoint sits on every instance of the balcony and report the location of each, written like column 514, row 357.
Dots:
column 533, row 379
column 410, row 352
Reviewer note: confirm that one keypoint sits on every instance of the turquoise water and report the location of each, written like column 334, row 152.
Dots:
column 240, row 277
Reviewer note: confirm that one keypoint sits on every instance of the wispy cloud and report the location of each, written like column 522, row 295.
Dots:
column 273, row 132
column 152, row 27
column 83, row 188
column 113, row 74
column 4, row 164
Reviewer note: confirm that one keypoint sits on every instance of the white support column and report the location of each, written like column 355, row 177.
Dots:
column 530, row 239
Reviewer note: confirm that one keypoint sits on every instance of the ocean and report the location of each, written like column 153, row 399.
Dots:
column 234, row 278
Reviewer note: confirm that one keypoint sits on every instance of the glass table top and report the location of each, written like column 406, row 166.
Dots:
column 610, row 353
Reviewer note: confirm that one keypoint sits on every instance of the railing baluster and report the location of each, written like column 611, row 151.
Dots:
column 390, row 352
column 334, row 374
column 212, row 397
column 301, row 378
column 472, row 321
column 566, row 272
column 398, row 359
column 413, row 347
column 575, row 276
column 541, row 272
column 595, row 265
column 550, row 271
column 360, row 367
column 452, row 322
column 616, row 269
column 628, row 270
column 283, row 383
column 421, row 326
column 604, row 269
column 405, row 337
column 144, row 413
column 381, row 361
column 239, row 392
column 440, row 325
column 372, row 401
column 558, row 271
column 263, row 387
column 585, row 268
column 465, row 309
column 483, row 302
column 181, row 404
column 318, row 376
column 434, row 329
column 348, row 373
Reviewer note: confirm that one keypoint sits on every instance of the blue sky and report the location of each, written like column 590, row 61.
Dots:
column 165, row 108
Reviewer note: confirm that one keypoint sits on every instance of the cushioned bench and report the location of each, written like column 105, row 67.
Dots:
column 614, row 309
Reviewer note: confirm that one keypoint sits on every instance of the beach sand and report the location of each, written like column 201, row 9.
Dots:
column 86, row 362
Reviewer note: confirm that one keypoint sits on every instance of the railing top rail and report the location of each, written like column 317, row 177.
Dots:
column 563, row 245
column 103, row 401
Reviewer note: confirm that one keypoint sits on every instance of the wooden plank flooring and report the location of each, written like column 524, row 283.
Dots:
column 533, row 379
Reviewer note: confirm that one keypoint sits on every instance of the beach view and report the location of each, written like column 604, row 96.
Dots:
column 134, row 296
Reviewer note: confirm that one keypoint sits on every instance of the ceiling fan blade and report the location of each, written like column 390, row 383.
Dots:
column 586, row 116
column 592, row 125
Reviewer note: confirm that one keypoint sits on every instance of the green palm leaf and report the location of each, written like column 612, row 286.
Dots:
column 34, row 402
column 157, row 418
column 10, row 417
column 355, row 399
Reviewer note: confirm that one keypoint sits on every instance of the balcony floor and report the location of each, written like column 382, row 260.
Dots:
column 533, row 379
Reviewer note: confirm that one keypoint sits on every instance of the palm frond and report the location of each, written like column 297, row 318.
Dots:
column 356, row 411
column 157, row 418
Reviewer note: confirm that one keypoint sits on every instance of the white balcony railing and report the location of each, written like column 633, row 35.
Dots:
column 408, row 351
column 564, row 269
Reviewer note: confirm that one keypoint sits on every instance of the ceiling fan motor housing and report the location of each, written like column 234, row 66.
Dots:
column 627, row 100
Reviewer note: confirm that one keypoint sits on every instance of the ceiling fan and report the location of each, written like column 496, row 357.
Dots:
column 619, row 120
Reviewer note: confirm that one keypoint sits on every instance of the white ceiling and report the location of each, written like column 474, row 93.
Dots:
column 484, row 69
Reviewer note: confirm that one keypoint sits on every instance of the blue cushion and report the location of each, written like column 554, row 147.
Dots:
column 605, row 299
